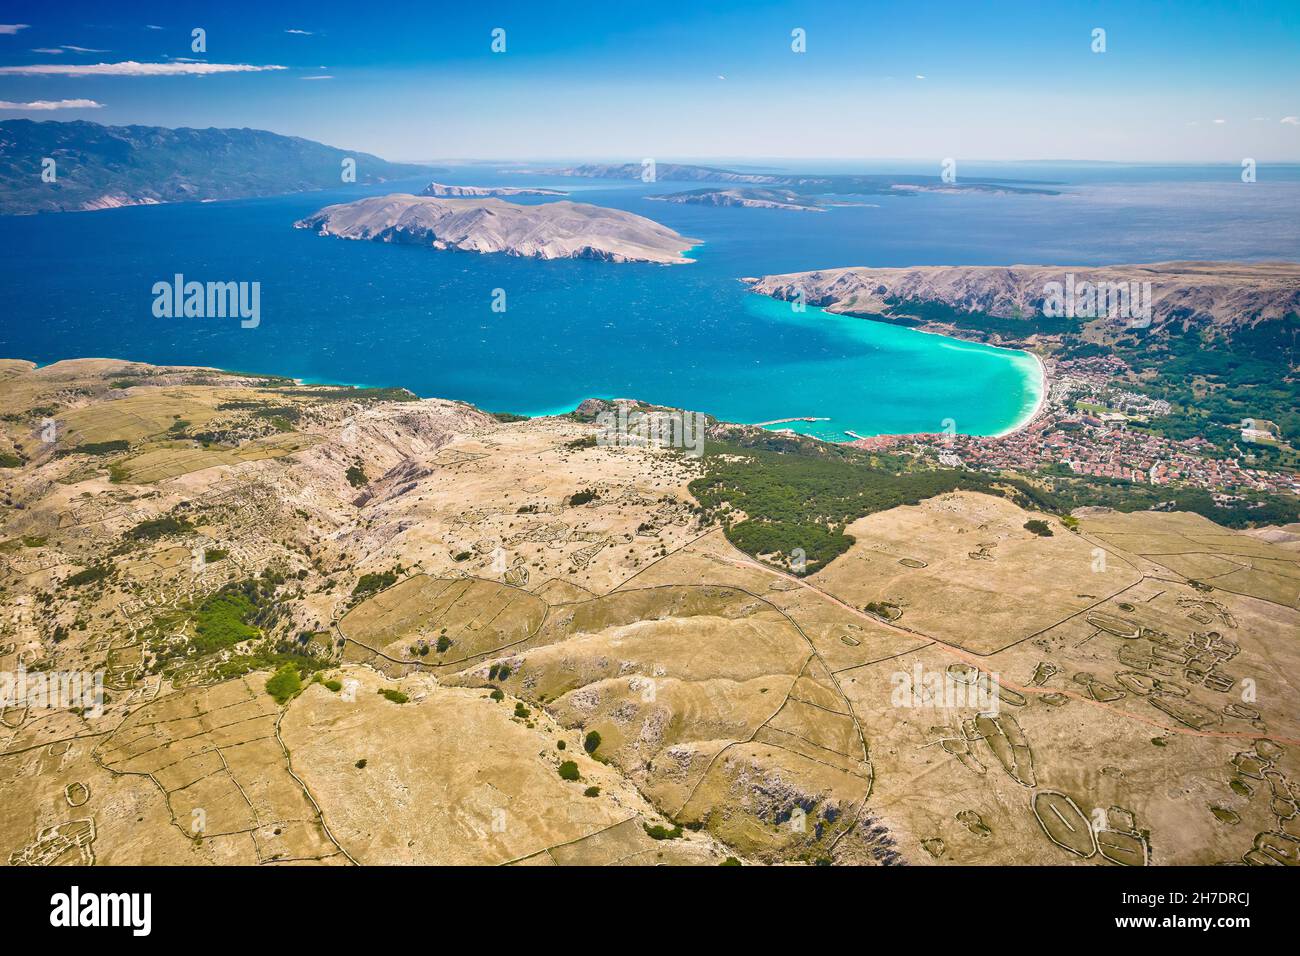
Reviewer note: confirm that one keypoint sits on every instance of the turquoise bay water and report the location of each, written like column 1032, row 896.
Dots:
column 79, row 284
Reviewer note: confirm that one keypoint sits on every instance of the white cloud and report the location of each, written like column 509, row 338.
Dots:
column 69, row 49
column 1291, row 120
column 1219, row 122
column 9, row 29
column 52, row 105
column 920, row 76
column 301, row 33
column 317, row 77
column 151, row 26
column 132, row 68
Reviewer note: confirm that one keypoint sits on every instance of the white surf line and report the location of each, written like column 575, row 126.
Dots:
column 1038, row 407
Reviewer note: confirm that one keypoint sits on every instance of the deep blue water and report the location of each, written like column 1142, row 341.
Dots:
column 79, row 284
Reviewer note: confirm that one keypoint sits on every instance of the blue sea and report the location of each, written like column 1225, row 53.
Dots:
column 691, row 336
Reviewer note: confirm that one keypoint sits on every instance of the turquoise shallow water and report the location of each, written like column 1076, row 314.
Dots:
column 79, row 284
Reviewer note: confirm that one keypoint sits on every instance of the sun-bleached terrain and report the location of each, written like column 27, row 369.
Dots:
column 348, row 626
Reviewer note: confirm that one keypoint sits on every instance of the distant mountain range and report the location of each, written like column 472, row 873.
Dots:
column 671, row 172
column 100, row 167
column 810, row 184
column 482, row 192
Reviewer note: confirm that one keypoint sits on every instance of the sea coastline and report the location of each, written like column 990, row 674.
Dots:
column 1020, row 424
column 1043, row 388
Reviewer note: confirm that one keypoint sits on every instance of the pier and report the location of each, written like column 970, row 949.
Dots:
column 782, row 421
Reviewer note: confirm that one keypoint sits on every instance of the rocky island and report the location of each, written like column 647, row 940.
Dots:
column 669, row 172
column 479, row 192
column 556, row 230
column 808, row 184
column 747, row 198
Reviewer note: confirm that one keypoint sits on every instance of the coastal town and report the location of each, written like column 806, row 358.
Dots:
column 1089, row 424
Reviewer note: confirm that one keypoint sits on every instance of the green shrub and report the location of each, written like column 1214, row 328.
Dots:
column 591, row 742
column 569, row 770
column 97, row 448
column 334, row 685
column 356, row 476
column 156, row 528
column 370, row 583
column 591, row 792
column 1039, row 527
column 660, row 832
column 396, row 696
column 285, row 684
column 96, row 572
column 222, row 620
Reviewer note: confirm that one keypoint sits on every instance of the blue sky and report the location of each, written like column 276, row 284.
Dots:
column 1178, row 81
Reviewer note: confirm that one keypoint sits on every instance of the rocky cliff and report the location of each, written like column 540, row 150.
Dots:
column 1226, row 294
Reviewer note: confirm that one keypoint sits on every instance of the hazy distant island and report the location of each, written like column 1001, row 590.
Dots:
column 555, row 230
column 471, row 192
column 806, row 184
column 748, row 198
column 670, row 172
column 102, row 167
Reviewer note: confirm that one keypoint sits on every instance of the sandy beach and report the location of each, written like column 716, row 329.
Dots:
column 1038, row 406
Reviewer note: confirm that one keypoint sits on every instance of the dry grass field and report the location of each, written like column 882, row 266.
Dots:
column 357, row 629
